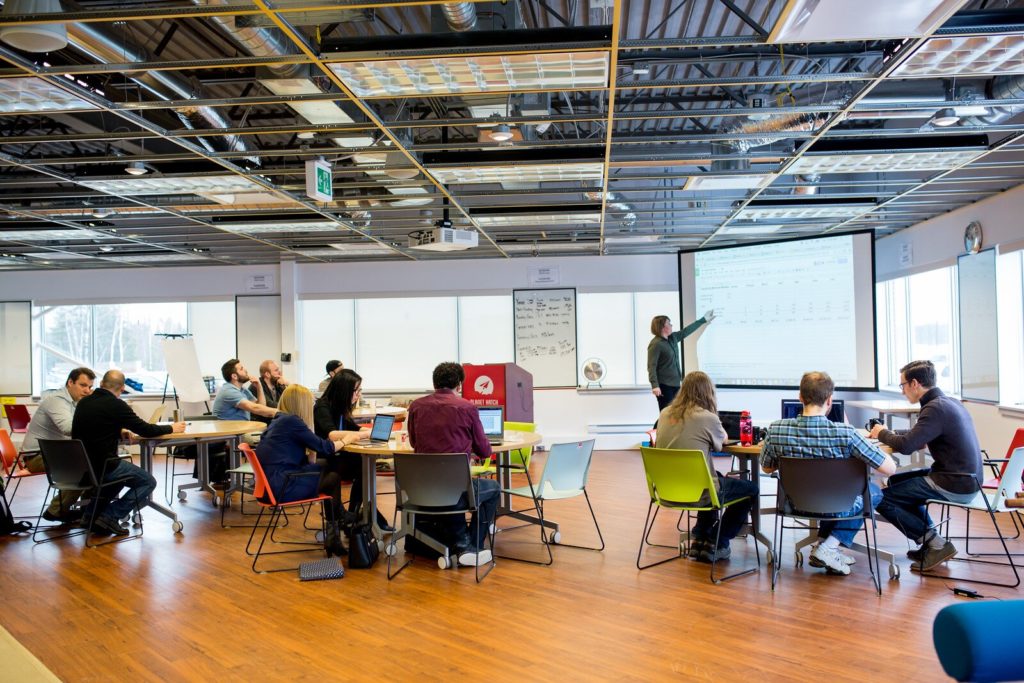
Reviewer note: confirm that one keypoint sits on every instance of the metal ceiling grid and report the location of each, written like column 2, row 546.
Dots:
column 697, row 125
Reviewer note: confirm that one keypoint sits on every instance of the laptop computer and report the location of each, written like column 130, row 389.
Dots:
column 380, row 432
column 793, row 408
column 731, row 422
column 493, row 419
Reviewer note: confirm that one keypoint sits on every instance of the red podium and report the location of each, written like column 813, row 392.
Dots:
column 500, row 384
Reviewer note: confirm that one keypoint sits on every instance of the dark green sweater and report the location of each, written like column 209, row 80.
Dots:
column 663, row 356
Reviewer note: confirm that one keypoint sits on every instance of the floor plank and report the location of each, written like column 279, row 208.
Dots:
column 186, row 607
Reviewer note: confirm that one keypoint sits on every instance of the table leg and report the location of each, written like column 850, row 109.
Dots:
column 146, row 450
column 369, row 508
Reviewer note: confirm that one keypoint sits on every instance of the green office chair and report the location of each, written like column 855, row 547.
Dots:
column 677, row 480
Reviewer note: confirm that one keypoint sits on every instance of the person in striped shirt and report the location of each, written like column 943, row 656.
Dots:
column 813, row 435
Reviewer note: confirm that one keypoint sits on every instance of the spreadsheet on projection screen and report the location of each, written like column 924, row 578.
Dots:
column 783, row 309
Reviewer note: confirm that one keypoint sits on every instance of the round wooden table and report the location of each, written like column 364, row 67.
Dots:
column 200, row 433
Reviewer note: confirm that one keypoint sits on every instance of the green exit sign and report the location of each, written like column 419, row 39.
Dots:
column 319, row 181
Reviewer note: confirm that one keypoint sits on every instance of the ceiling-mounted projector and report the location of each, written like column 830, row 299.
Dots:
column 444, row 239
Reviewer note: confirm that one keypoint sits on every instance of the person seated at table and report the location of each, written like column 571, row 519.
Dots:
column 444, row 422
column 98, row 422
column 332, row 368
column 289, row 447
column 690, row 422
column 332, row 418
column 234, row 401
column 813, row 435
column 271, row 382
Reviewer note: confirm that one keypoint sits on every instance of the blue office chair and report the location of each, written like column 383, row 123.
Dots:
column 979, row 641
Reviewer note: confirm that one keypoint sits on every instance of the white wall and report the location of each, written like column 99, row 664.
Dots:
column 936, row 243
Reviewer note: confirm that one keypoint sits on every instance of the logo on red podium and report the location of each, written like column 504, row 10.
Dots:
column 483, row 385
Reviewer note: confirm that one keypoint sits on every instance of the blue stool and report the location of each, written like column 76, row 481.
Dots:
column 980, row 641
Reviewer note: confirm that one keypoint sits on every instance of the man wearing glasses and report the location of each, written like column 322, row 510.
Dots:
column 945, row 427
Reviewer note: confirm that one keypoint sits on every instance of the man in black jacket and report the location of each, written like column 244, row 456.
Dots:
column 99, row 419
column 945, row 426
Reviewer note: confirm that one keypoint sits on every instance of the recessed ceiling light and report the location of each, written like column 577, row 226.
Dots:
column 523, row 173
column 728, row 182
column 136, row 168
column 47, row 235
column 879, row 162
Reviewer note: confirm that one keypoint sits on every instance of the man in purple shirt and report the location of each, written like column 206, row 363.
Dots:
column 444, row 422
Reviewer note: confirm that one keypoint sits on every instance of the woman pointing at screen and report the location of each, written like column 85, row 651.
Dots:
column 663, row 356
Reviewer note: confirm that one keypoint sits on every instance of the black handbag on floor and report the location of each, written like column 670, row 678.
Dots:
column 362, row 548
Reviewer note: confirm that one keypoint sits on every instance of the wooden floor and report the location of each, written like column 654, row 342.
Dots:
column 187, row 607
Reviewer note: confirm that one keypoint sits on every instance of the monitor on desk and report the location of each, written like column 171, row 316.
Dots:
column 794, row 408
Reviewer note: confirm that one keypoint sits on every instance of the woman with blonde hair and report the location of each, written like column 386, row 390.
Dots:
column 290, row 454
column 691, row 422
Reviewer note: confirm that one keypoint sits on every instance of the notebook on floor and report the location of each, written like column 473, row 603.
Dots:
column 493, row 420
column 317, row 570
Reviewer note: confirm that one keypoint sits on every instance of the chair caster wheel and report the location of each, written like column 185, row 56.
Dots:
column 319, row 537
column 444, row 562
column 136, row 519
column 182, row 495
column 555, row 537
column 177, row 527
column 798, row 559
column 390, row 549
column 894, row 572
column 769, row 557
column 215, row 501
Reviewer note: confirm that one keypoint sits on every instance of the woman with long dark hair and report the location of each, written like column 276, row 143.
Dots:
column 691, row 422
column 332, row 418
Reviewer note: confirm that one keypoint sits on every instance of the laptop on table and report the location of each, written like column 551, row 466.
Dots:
column 493, row 420
column 731, row 423
column 380, row 432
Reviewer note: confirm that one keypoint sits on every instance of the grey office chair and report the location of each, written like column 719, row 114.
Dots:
column 432, row 484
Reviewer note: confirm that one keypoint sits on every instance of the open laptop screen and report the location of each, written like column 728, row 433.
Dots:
column 793, row 408
column 493, row 420
column 731, row 423
column 381, row 430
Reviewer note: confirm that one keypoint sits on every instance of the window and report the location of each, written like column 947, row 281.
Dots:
column 125, row 336
column 605, row 331
column 1010, row 295
column 916, row 321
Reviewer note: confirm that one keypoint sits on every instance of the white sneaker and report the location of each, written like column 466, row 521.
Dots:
column 475, row 559
column 832, row 560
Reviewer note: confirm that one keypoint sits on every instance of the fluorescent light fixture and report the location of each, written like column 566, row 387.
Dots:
column 751, row 229
column 825, row 21
column 227, row 184
column 477, row 74
column 57, row 256
column 316, row 112
column 345, row 249
column 293, row 226
column 48, row 235
column 1001, row 53
column 155, row 258
column 240, row 199
column 782, row 210
column 523, row 173
column 728, row 182
column 548, row 247
column 28, row 95
column 413, row 201
column 632, row 239
column 882, row 162
column 538, row 219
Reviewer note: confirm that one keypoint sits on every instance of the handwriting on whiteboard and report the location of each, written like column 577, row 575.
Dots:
column 545, row 325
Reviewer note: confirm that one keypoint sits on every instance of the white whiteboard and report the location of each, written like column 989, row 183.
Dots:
column 183, row 367
column 979, row 328
column 545, row 335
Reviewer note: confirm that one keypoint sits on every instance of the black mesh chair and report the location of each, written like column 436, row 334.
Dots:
column 68, row 469
column 432, row 484
column 824, row 489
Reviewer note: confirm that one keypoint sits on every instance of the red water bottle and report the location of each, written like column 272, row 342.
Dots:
column 746, row 429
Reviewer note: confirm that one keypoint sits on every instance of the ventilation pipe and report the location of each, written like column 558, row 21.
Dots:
column 806, row 184
column 460, row 16
column 257, row 41
column 1000, row 88
column 98, row 42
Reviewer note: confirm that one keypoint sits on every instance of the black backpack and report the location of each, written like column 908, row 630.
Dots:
column 7, row 523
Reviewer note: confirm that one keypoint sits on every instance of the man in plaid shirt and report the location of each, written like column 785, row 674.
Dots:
column 813, row 435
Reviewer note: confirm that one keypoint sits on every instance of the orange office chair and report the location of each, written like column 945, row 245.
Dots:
column 265, row 498
column 17, row 417
column 14, row 465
